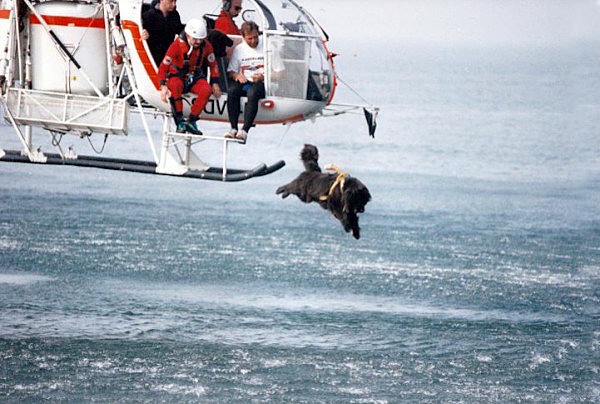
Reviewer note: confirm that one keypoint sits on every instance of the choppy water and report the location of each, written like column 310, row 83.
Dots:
column 477, row 277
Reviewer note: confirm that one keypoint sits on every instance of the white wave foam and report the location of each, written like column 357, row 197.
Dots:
column 538, row 360
column 274, row 363
column 355, row 391
column 23, row 279
column 172, row 388
column 590, row 271
column 103, row 364
column 8, row 244
column 309, row 301
column 569, row 343
column 36, row 387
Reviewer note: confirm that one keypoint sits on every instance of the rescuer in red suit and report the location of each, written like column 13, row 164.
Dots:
column 181, row 72
column 225, row 23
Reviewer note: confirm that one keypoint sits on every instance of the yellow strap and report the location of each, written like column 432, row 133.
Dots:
column 339, row 181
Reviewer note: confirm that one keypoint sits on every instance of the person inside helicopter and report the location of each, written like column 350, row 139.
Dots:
column 247, row 73
column 161, row 23
column 225, row 23
column 181, row 72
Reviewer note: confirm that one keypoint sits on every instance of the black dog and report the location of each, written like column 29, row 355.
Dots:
column 341, row 194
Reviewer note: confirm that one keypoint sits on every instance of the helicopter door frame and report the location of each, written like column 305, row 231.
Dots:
column 269, row 24
column 270, row 30
column 302, row 75
column 267, row 16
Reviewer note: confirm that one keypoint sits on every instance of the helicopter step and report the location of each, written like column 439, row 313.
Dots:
column 146, row 167
column 67, row 112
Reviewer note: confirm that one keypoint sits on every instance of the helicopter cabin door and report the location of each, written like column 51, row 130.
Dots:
column 287, row 61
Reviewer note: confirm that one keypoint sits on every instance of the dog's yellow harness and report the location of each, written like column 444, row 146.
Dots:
column 338, row 182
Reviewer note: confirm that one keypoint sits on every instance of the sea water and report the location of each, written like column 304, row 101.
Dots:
column 476, row 279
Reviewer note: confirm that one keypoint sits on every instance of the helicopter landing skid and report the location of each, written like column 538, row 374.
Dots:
column 146, row 167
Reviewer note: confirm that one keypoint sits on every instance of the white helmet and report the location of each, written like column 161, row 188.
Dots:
column 196, row 28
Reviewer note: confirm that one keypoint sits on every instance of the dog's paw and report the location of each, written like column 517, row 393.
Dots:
column 282, row 190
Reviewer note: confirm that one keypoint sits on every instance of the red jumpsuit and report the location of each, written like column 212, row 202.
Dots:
column 226, row 25
column 181, row 71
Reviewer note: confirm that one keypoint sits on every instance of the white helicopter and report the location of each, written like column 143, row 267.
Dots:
column 81, row 67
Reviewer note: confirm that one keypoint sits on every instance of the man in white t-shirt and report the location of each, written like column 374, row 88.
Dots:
column 247, row 70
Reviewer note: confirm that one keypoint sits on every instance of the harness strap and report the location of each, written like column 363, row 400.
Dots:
column 338, row 182
column 184, row 71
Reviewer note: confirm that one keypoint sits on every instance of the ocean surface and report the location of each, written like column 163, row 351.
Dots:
column 477, row 277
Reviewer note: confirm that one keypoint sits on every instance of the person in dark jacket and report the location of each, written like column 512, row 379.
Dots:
column 161, row 24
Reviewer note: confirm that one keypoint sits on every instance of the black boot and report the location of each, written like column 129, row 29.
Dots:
column 179, row 123
column 191, row 125
column 177, row 116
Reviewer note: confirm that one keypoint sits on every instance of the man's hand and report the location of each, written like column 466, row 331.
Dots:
column 257, row 77
column 216, row 90
column 165, row 93
column 145, row 35
column 241, row 78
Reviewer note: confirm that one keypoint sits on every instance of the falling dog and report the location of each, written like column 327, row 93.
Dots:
column 344, row 196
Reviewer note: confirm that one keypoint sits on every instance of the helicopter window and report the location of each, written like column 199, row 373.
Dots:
column 320, row 75
column 298, row 68
column 252, row 15
column 268, row 15
column 291, row 17
column 288, row 66
column 249, row 15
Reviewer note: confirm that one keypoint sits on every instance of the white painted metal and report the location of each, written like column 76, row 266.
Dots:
column 109, row 48
column 5, row 42
column 26, row 146
column 82, row 42
column 68, row 112
column 138, row 101
column 9, row 55
column 18, row 37
column 189, row 160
